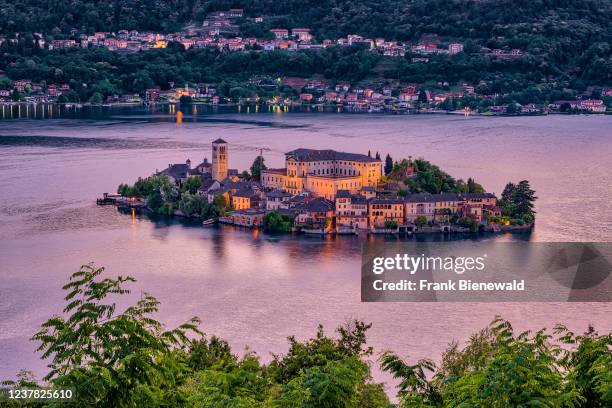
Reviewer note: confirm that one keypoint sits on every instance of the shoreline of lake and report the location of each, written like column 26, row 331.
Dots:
column 37, row 109
column 438, row 230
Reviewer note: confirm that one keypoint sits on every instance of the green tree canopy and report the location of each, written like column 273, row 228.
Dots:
column 517, row 201
column 388, row 164
column 257, row 167
column 122, row 358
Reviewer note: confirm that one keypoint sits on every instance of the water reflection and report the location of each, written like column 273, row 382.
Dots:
column 252, row 287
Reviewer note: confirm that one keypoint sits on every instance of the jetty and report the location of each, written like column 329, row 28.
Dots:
column 120, row 201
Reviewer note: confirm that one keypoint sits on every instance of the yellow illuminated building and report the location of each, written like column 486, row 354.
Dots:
column 324, row 172
column 160, row 44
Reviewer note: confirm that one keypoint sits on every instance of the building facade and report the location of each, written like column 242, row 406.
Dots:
column 351, row 210
column 324, row 172
column 382, row 210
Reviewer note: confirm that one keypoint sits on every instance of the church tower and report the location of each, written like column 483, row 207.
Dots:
column 219, row 159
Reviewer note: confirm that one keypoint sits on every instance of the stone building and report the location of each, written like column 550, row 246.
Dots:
column 323, row 172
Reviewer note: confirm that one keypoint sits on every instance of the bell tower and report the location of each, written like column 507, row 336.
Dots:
column 219, row 159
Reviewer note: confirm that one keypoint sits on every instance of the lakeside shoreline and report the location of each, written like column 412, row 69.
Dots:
column 425, row 233
column 183, row 112
column 139, row 208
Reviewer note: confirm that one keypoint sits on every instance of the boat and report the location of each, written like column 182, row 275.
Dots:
column 208, row 222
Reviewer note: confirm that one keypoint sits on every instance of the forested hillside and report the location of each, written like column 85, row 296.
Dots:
column 521, row 20
column 564, row 44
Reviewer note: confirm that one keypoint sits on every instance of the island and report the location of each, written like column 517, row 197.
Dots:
column 329, row 192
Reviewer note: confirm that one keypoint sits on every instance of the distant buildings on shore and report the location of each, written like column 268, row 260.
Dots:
column 221, row 29
column 376, row 97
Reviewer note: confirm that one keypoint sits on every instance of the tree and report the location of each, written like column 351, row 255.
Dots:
column 423, row 96
column 242, row 384
column 461, row 186
column 191, row 185
column 334, row 384
column 206, row 353
column 499, row 368
column 589, row 365
column 431, row 179
column 257, row 167
column 390, row 224
column 96, row 98
column 517, row 201
column 192, row 204
column 120, row 359
column 468, row 222
column 128, row 359
column 523, row 198
column 415, row 390
column 275, row 221
column 388, row 164
column 145, row 187
column 155, row 201
column 448, row 104
column 420, row 221
column 513, row 108
column 377, row 156
column 474, row 187
column 328, row 372
column 210, row 211
column 220, row 202
column 522, row 370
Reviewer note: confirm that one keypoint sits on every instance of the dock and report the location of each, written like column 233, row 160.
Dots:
column 120, row 201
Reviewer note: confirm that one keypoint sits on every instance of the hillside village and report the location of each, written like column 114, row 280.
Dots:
column 325, row 192
column 220, row 31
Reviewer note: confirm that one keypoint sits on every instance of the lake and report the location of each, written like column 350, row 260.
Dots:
column 255, row 289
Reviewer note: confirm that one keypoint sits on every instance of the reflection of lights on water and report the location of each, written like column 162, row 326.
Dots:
column 179, row 117
column 133, row 216
column 255, row 232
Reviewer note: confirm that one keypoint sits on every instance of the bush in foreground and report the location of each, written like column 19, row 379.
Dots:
column 129, row 359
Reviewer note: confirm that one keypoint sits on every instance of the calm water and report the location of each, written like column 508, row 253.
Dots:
column 255, row 289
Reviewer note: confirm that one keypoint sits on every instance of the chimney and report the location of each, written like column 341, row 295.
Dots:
column 188, row 163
